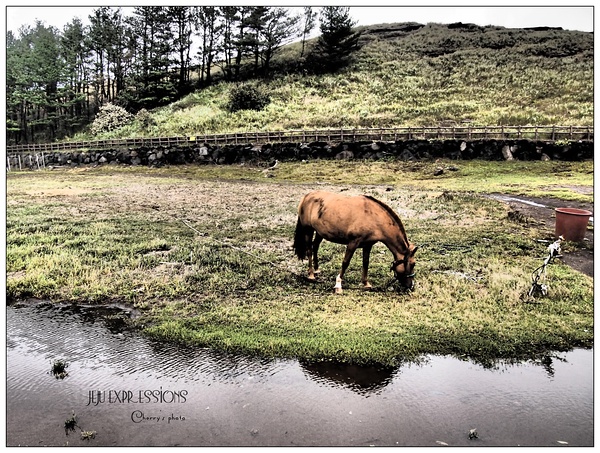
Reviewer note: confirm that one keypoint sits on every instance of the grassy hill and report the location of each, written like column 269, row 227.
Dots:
column 407, row 74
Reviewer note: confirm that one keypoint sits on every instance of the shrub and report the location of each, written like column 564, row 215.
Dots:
column 109, row 118
column 144, row 119
column 247, row 97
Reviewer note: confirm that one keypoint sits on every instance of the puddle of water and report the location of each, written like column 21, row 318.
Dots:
column 135, row 392
column 531, row 203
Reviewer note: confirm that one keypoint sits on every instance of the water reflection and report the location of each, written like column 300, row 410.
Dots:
column 363, row 380
column 108, row 338
column 236, row 400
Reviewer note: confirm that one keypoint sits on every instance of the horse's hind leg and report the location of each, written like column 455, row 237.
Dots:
column 309, row 252
column 316, row 244
column 365, row 269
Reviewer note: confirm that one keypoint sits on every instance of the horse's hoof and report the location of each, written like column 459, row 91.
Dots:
column 367, row 287
column 338, row 291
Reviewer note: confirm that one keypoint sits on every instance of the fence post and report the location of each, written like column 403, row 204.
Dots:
column 19, row 159
column 8, row 163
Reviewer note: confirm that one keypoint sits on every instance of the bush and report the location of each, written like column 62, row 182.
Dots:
column 247, row 97
column 144, row 119
column 109, row 118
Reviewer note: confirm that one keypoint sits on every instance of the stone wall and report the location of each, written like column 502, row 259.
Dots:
column 203, row 153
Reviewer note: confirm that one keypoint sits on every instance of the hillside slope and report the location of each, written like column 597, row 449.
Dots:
column 408, row 74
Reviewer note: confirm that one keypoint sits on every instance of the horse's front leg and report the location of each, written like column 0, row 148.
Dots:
column 350, row 249
column 365, row 270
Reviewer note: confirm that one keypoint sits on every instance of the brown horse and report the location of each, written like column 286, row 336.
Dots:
column 358, row 221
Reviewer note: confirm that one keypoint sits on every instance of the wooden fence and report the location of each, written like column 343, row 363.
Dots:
column 543, row 133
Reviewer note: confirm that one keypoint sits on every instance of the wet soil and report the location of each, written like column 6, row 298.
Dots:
column 579, row 256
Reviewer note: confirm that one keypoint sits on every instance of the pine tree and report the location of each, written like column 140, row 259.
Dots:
column 337, row 40
column 151, row 83
column 308, row 25
column 182, row 21
column 207, row 26
column 280, row 28
column 76, row 57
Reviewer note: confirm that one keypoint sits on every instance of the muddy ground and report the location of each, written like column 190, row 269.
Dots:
column 582, row 257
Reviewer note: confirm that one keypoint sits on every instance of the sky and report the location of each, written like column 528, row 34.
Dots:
column 508, row 15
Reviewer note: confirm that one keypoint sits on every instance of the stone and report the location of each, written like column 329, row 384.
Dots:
column 507, row 152
column 344, row 155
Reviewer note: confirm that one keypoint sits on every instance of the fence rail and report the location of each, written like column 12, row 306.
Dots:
column 544, row 133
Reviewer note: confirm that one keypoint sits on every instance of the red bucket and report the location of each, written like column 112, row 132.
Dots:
column 571, row 223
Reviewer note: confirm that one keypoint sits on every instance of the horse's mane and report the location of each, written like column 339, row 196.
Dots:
column 392, row 214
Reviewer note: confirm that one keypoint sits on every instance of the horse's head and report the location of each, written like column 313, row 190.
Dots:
column 404, row 268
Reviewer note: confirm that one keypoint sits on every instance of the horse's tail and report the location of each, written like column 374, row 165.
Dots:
column 300, row 240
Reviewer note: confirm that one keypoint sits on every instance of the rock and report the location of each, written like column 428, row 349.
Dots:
column 545, row 157
column 344, row 155
column 406, row 155
column 438, row 172
column 102, row 160
column 507, row 152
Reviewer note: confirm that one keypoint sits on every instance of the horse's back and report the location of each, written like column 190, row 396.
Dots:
column 339, row 218
column 319, row 202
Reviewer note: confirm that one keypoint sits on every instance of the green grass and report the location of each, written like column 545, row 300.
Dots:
column 427, row 77
column 115, row 234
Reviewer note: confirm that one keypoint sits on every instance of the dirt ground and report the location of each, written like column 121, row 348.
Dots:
column 582, row 258
column 176, row 200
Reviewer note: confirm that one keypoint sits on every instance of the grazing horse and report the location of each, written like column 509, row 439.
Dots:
column 358, row 221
